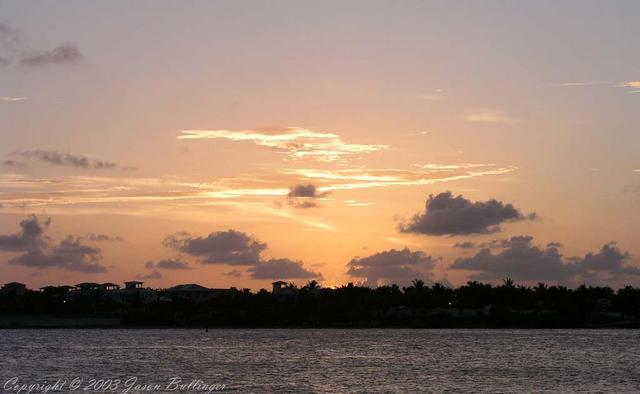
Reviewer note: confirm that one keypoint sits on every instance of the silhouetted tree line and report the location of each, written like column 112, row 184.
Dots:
column 418, row 305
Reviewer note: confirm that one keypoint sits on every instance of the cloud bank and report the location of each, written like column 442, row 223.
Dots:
column 519, row 259
column 38, row 252
column 235, row 248
column 392, row 266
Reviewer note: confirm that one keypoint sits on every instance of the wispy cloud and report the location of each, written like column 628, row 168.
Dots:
column 630, row 84
column 431, row 96
column 295, row 142
column 582, row 83
column 14, row 47
column 375, row 178
column 488, row 116
column 248, row 197
column 631, row 87
column 66, row 159
column 12, row 99
column 66, row 53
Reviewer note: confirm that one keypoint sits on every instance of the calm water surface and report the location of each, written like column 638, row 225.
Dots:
column 334, row 360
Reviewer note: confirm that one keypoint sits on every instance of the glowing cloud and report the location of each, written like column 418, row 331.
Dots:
column 296, row 142
column 488, row 116
column 12, row 99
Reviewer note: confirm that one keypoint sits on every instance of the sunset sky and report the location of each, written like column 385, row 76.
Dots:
column 236, row 143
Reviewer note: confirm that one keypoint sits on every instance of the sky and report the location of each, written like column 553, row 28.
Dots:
column 238, row 143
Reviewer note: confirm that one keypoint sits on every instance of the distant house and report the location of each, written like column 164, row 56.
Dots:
column 133, row 285
column 278, row 286
column 190, row 291
column 87, row 287
column 59, row 290
column 133, row 290
column 109, row 286
column 282, row 288
column 14, row 288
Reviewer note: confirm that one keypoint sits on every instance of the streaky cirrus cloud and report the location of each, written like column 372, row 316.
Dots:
column 519, row 259
column 65, row 53
column 630, row 86
column 282, row 268
column 38, row 252
column 222, row 247
column 248, row 194
column 11, row 99
column 488, row 116
column 295, row 142
column 392, row 266
column 66, row 159
column 582, row 83
column 448, row 215
column 349, row 179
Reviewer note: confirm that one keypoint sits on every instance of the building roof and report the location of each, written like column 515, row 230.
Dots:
column 14, row 284
column 133, row 281
column 87, row 284
column 189, row 287
column 111, row 284
column 280, row 282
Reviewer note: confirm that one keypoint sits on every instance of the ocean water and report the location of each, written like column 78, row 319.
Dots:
column 323, row 361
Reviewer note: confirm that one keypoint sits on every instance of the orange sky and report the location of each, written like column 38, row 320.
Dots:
column 143, row 123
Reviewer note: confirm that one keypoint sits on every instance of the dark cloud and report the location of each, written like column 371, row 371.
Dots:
column 169, row 264
column 223, row 247
column 9, row 37
column 609, row 259
column 12, row 163
column 519, row 259
column 282, row 269
column 304, row 195
column 394, row 266
column 233, row 247
column 65, row 53
column 103, row 238
column 465, row 245
column 30, row 238
column 70, row 254
column 233, row 274
column 36, row 251
column 448, row 215
column 152, row 275
column 66, row 159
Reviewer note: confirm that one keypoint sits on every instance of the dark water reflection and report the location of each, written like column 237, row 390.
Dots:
column 334, row 360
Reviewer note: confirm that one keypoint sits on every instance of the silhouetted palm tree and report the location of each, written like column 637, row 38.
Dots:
column 312, row 285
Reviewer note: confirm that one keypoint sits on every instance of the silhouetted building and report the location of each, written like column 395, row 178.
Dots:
column 133, row 285
column 278, row 286
column 109, row 286
column 56, row 289
column 190, row 291
column 87, row 287
column 14, row 288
